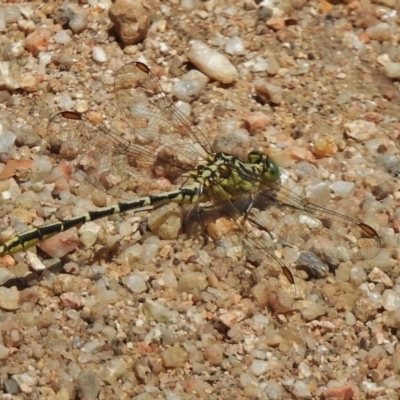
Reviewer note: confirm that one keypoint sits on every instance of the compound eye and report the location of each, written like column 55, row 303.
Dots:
column 271, row 170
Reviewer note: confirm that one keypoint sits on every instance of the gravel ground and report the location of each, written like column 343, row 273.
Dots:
column 314, row 83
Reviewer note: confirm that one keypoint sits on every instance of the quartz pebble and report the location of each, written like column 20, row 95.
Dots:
column 392, row 70
column 9, row 75
column 342, row 188
column 301, row 390
column 234, row 46
column 212, row 63
column 135, row 283
column 99, row 54
column 79, row 23
column 7, row 139
column 259, row 367
column 62, row 37
column 391, row 300
column 9, row 298
column 381, row 32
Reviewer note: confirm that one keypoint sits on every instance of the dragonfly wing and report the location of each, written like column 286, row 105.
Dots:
column 153, row 117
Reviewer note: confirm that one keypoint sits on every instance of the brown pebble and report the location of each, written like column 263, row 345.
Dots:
column 213, row 353
column 38, row 41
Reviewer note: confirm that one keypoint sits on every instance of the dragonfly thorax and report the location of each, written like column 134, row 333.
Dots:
column 229, row 176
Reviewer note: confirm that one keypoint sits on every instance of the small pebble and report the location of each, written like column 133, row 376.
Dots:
column 11, row 386
column 174, row 357
column 99, row 54
column 26, row 379
column 158, row 312
column 190, row 281
column 9, row 298
column 391, row 300
column 360, row 130
column 131, row 20
column 135, row 283
column 7, row 139
column 88, row 386
column 313, row 264
column 234, row 46
column 106, row 297
column 268, row 93
column 339, row 393
column 214, row 353
column 79, row 23
column 301, row 390
column 276, row 23
column 212, row 63
column 186, row 90
column 311, row 310
column 392, row 70
column 9, row 75
column 378, row 276
column 62, row 37
column 325, row 147
column 88, row 233
column 259, row 367
column 342, row 189
column 71, row 300
column 381, row 32
column 38, row 41
column 112, row 370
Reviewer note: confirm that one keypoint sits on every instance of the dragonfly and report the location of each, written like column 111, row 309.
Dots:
column 160, row 156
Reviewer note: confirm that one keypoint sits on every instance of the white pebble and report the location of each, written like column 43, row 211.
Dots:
column 187, row 91
column 184, row 108
column 81, row 106
column 234, row 46
column 342, row 188
column 9, row 298
column 62, row 37
column 391, row 300
column 99, row 54
column 7, row 139
column 88, row 233
column 392, row 70
column 301, row 390
column 212, row 63
column 135, row 283
column 65, row 102
column 45, row 57
column 259, row 367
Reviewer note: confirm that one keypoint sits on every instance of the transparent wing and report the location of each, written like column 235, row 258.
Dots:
column 109, row 161
column 154, row 118
column 270, row 282
column 294, row 220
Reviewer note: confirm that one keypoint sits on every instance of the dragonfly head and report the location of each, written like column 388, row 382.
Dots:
column 269, row 168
